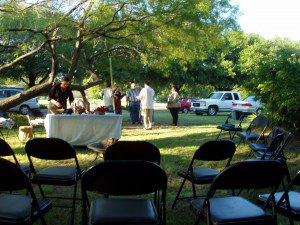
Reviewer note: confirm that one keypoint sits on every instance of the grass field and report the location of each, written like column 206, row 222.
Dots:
column 177, row 145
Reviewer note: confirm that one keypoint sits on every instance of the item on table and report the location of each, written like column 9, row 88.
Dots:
column 109, row 142
column 69, row 111
column 100, row 110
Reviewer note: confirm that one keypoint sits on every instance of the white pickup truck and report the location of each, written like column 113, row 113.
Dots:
column 220, row 101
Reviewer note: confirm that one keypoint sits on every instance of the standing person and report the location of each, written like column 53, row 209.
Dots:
column 134, row 103
column 173, row 105
column 117, row 98
column 146, row 96
column 107, row 97
column 58, row 96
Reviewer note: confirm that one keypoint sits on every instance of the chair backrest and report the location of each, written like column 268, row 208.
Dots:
column 276, row 143
column 216, row 150
column 12, row 178
column 250, row 175
column 125, row 178
column 236, row 115
column 5, row 149
column 275, row 132
column 50, row 149
column 285, row 142
column 260, row 121
column 133, row 150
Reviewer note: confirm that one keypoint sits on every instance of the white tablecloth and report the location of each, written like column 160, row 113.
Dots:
column 83, row 129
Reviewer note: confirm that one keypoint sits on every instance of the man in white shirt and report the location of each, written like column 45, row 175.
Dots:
column 147, row 104
column 107, row 96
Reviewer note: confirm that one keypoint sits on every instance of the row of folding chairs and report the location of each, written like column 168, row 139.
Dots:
column 233, row 125
column 257, row 173
column 130, row 168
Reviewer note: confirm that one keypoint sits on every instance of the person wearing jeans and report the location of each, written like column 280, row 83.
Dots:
column 173, row 105
column 134, row 103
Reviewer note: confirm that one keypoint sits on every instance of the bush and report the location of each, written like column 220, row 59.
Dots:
column 256, row 62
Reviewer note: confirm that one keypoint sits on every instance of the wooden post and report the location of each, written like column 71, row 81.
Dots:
column 112, row 83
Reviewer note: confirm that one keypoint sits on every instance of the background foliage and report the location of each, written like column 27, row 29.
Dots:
column 197, row 46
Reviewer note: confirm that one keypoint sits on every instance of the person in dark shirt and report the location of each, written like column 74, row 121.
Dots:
column 58, row 96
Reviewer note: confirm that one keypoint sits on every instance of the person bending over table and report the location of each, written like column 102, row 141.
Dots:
column 58, row 96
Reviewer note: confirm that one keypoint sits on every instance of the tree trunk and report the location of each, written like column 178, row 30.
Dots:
column 36, row 91
column 32, row 79
column 25, row 95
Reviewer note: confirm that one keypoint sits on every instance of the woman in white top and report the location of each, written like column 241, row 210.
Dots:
column 173, row 105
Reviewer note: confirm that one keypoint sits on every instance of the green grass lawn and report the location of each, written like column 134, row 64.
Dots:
column 177, row 146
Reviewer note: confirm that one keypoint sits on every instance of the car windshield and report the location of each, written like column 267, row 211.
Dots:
column 215, row 95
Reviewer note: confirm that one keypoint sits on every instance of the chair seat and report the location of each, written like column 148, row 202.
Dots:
column 25, row 169
column 56, row 175
column 201, row 175
column 258, row 147
column 248, row 136
column 122, row 211
column 234, row 210
column 15, row 209
column 229, row 127
column 294, row 198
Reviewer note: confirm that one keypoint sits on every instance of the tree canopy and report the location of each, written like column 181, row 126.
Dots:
column 78, row 35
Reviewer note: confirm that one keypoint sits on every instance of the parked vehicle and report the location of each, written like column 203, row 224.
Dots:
column 220, row 101
column 185, row 104
column 25, row 107
column 249, row 105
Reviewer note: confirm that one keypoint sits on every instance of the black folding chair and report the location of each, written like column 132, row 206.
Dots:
column 249, row 135
column 287, row 202
column 133, row 150
column 280, row 153
column 19, row 209
column 272, row 149
column 217, row 150
column 124, row 178
column 236, row 210
column 234, row 116
column 6, row 150
column 262, row 147
column 54, row 149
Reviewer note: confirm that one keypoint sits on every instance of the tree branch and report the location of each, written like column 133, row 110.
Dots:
column 23, row 56
column 84, row 87
column 124, row 47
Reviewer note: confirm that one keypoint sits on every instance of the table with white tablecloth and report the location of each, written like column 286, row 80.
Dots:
column 83, row 129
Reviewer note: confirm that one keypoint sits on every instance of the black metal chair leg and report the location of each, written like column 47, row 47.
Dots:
column 74, row 204
column 43, row 221
column 197, row 221
column 239, row 142
column 2, row 135
column 178, row 193
column 41, row 190
column 194, row 190
column 219, row 134
column 97, row 154
column 291, row 221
